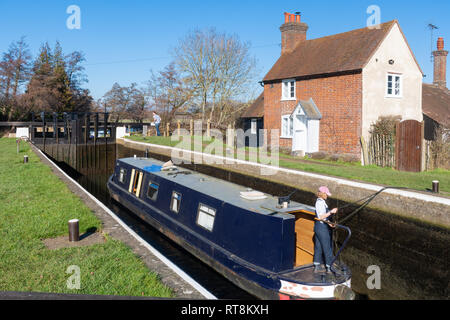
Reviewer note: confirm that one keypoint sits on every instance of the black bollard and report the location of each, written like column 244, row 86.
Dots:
column 436, row 186
column 25, row 159
column 146, row 153
column 74, row 232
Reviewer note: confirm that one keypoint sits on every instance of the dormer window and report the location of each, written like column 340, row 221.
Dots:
column 288, row 90
column 394, row 85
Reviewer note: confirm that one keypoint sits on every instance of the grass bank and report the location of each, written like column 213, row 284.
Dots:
column 353, row 171
column 36, row 205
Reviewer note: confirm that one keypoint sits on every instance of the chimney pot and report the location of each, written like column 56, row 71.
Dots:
column 293, row 32
column 440, row 44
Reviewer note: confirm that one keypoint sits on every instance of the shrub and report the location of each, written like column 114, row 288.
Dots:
column 381, row 149
column 440, row 149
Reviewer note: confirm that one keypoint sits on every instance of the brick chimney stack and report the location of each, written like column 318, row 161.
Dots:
column 293, row 32
column 440, row 65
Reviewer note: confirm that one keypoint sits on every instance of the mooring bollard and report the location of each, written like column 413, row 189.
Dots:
column 436, row 186
column 74, row 231
column 25, row 159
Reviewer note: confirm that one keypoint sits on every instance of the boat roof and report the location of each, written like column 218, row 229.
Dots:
column 217, row 188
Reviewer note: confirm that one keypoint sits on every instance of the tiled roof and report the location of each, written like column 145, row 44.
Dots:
column 436, row 104
column 349, row 51
column 310, row 108
column 256, row 110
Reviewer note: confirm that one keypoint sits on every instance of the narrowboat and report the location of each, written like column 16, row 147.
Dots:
column 263, row 244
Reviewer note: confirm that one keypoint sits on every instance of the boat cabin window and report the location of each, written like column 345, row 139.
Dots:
column 175, row 202
column 122, row 175
column 206, row 216
column 136, row 182
column 152, row 192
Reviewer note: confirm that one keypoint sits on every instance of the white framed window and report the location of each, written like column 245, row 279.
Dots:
column 175, row 202
column 206, row 216
column 254, row 126
column 394, row 85
column 288, row 90
column 287, row 126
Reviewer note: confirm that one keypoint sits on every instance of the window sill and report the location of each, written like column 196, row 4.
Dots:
column 290, row 99
column 282, row 137
column 393, row 97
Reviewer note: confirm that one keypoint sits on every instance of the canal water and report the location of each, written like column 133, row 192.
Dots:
column 390, row 257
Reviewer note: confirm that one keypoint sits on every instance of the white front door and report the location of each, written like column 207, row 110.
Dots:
column 299, row 142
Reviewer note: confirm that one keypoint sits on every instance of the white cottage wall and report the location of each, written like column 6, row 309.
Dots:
column 393, row 56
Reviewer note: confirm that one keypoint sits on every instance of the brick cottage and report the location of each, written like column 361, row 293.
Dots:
column 324, row 94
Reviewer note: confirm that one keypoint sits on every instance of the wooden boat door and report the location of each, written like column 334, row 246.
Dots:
column 304, row 238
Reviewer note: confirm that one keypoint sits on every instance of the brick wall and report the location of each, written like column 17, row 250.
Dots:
column 440, row 68
column 339, row 99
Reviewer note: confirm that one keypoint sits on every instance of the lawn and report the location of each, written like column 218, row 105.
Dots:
column 353, row 171
column 36, row 205
column 373, row 174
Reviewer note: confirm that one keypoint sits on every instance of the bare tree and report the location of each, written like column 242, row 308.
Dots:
column 125, row 102
column 21, row 64
column 75, row 69
column 218, row 66
column 137, row 110
column 168, row 92
column 15, row 67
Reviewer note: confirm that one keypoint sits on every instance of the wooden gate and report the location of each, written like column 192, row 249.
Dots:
column 408, row 147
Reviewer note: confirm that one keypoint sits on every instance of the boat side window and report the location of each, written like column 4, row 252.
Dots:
column 133, row 181
column 122, row 175
column 152, row 192
column 137, row 191
column 206, row 216
column 136, row 182
column 175, row 202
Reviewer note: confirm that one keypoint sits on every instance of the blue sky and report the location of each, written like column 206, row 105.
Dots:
column 123, row 40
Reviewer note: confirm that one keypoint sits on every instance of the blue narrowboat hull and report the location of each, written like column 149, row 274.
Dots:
column 263, row 267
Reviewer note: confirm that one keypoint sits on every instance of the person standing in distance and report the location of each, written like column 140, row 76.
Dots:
column 323, row 247
column 157, row 121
